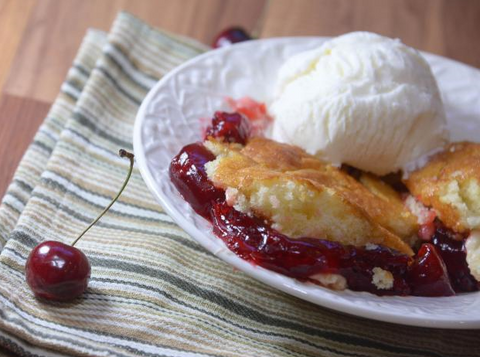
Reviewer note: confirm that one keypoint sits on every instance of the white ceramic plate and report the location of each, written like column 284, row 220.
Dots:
column 169, row 119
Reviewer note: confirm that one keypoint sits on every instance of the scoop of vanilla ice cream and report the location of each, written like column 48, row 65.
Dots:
column 361, row 99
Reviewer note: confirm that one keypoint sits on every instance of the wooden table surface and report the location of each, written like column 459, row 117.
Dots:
column 39, row 39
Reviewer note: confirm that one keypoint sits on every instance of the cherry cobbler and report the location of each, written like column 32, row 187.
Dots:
column 280, row 208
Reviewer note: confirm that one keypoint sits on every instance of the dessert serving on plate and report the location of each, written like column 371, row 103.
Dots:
column 318, row 194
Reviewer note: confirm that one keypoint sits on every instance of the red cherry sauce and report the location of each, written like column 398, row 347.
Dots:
column 187, row 172
column 357, row 268
column 256, row 112
column 253, row 240
column 231, row 127
column 451, row 248
column 428, row 274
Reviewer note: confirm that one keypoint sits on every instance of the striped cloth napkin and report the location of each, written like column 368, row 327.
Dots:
column 154, row 291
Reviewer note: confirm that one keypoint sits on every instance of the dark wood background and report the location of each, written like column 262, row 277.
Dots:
column 39, row 39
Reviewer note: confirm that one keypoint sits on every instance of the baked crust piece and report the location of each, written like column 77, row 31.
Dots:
column 301, row 196
column 450, row 183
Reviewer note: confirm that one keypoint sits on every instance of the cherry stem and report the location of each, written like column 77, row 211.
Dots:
column 122, row 153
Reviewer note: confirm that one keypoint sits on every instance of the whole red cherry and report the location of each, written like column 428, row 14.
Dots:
column 229, row 36
column 58, row 271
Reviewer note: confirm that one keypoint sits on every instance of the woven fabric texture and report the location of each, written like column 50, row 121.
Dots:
column 154, row 291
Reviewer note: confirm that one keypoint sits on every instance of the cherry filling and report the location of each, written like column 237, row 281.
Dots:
column 257, row 242
column 253, row 240
column 428, row 274
column 231, row 127
column 187, row 172
column 438, row 269
column 451, row 248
